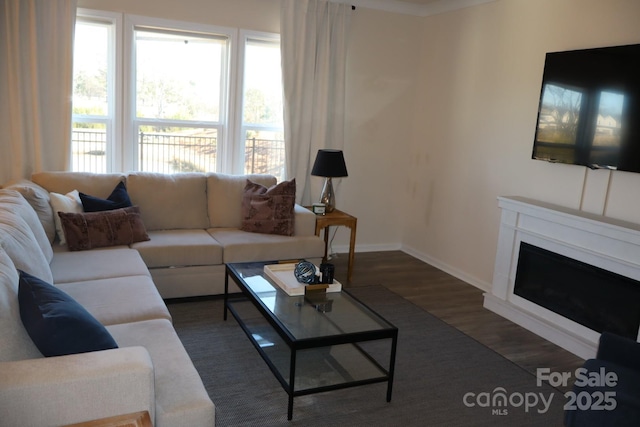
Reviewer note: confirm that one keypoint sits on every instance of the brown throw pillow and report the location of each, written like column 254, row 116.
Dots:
column 269, row 210
column 90, row 230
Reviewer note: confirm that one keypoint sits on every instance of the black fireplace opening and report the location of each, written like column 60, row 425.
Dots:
column 591, row 296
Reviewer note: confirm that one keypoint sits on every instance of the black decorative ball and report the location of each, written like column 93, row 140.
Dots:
column 305, row 272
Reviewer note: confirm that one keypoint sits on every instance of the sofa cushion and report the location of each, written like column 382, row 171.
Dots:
column 269, row 210
column 178, row 248
column 104, row 263
column 224, row 197
column 170, row 202
column 243, row 246
column 192, row 281
column 100, row 229
column 69, row 202
column 17, row 239
column 38, row 198
column 119, row 299
column 56, row 323
column 13, row 201
column 97, row 184
column 16, row 343
column 119, row 198
column 181, row 399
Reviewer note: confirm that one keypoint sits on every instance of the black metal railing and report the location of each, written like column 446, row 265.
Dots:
column 264, row 156
column 173, row 153
column 88, row 150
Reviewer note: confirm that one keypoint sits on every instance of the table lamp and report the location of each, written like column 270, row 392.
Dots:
column 329, row 164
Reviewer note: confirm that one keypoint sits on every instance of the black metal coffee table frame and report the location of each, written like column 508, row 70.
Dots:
column 349, row 341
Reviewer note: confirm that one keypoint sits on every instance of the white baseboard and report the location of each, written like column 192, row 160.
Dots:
column 344, row 249
column 480, row 284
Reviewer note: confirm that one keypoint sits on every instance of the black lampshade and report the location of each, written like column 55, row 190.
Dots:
column 329, row 163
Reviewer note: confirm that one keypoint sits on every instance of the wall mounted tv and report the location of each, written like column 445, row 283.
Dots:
column 589, row 111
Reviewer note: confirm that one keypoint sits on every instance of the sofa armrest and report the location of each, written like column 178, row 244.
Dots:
column 81, row 387
column 619, row 350
column 305, row 222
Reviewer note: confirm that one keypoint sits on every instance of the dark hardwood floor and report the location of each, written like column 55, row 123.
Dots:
column 457, row 303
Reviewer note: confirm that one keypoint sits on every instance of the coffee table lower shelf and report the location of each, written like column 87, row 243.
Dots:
column 317, row 365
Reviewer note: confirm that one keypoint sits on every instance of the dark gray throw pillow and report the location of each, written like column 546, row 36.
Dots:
column 119, row 198
column 56, row 323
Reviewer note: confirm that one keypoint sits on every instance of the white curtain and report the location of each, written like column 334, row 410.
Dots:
column 314, row 45
column 36, row 74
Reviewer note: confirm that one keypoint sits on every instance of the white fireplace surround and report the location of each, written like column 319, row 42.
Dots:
column 604, row 242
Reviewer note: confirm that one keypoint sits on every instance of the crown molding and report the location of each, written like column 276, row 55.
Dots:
column 406, row 8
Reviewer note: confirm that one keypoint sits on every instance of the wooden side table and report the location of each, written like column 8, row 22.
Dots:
column 338, row 218
column 138, row 419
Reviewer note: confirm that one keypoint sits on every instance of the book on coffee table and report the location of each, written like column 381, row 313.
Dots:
column 282, row 275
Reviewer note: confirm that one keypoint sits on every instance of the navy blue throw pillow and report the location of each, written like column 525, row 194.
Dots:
column 56, row 323
column 119, row 198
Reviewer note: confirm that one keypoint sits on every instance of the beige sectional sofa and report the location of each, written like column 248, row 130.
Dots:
column 193, row 223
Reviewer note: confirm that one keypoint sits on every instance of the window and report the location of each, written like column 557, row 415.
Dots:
column 175, row 97
column 178, row 91
column 262, row 109
column 94, row 79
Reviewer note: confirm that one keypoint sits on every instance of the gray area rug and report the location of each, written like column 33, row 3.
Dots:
column 443, row 377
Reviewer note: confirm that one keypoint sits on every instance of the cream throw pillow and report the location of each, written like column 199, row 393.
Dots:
column 69, row 202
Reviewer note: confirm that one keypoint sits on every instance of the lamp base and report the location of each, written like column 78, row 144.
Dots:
column 328, row 197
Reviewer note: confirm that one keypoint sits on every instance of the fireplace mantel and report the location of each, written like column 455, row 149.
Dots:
column 604, row 242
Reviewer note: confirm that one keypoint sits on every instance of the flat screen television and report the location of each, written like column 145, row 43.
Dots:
column 589, row 110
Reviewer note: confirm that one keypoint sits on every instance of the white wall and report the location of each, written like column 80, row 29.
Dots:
column 382, row 72
column 474, row 126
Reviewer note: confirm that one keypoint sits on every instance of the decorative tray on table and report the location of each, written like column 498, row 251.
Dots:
column 282, row 275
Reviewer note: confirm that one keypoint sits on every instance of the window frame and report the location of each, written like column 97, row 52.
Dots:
column 130, row 143
column 240, row 127
column 122, row 139
column 112, row 121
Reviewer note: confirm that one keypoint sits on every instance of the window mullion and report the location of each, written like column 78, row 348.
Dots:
column 128, row 142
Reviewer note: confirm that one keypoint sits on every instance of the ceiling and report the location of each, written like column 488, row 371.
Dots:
column 418, row 7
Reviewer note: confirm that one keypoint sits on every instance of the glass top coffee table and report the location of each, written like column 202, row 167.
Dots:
column 311, row 345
